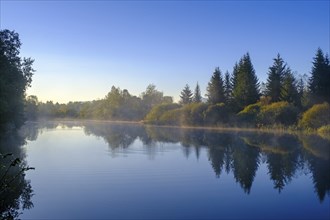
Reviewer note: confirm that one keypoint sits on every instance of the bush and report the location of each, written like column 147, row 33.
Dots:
column 197, row 113
column 171, row 117
column 216, row 114
column 193, row 114
column 324, row 131
column 315, row 117
column 156, row 112
column 278, row 113
column 249, row 114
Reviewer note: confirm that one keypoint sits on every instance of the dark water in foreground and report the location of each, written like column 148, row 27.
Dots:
column 104, row 171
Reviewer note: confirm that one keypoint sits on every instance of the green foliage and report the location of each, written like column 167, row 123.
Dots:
column 171, row 117
column 236, row 93
column 16, row 76
column 278, row 113
column 121, row 105
column 316, row 116
column 193, row 114
column 319, row 84
column 227, row 88
column 324, row 131
column 245, row 83
column 151, row 97
column 215, row 89
column 197, row 113
column 275, row 79
column 15, row 190
column 216, row 114
column 249, row 114
column 186, row 96
column 289, row 91
column 157, row 112
column 31, row 107
column 197, row 94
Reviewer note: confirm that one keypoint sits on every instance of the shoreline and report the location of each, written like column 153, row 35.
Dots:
column 281, row 130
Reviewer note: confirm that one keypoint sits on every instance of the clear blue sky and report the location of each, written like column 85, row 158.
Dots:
column 82, row 48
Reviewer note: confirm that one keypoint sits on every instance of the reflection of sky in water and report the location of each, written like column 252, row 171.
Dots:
column 81, row 176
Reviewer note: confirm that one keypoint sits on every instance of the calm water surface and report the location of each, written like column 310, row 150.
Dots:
column 104, row 171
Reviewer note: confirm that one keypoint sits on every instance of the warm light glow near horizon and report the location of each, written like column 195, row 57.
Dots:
column 83, row 48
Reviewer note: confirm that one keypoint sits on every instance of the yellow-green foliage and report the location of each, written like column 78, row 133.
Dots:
column 249, row 113
column 156, row 112
column 216, row 114
column 324, row 131
column 171, row 117
column 278, row 113
column 315, row 117
column 193, row 114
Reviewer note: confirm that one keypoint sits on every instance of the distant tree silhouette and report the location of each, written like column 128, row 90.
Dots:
column 215, row 88
column 227, row 88
column 197, row 94
column 289, row 91
column 186, row 96
column 275, row 79
column 319, row 84
column 245, row 83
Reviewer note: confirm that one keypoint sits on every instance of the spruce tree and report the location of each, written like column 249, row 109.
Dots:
column 245, row 83
column 186, row 95
column 215, row 88
column 319, row 84
column 275, row 79
column 289, row 91
column 227, row 87
column 197, row 94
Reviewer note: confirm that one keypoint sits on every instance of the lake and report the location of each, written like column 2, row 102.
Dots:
column 86, row 170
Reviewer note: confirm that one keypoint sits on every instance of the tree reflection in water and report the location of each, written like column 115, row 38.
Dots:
column 236, row 152
column 15, row 191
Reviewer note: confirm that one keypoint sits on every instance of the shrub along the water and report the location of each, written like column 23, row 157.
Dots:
column 249, row 114
column 281, row 113
column 315, row 117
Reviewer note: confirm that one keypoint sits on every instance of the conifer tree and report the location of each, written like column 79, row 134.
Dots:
column 275, row 79
column 215, row 88
column 186, row 95
column 245, row 83
column 197, row 94
column 227, row 87
column 289, row 91
column 319, row 84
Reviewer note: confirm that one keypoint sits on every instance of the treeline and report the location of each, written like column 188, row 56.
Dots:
column 232, row 99
column 237, row 99
column 117, row 105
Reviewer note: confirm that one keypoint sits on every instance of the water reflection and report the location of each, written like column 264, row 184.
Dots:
column 15, row 191
column 237, row 152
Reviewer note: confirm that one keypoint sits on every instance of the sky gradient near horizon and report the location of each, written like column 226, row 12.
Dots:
column 82, row 48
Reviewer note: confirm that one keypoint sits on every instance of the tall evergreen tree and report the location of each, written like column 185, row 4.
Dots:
column 186, row 95
column 227, row 87
column 215, row 88
column 319, row 84
column 275, row 79
column 245, row 83
column 289, row 91
column 197, row 94
column 301, row 90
